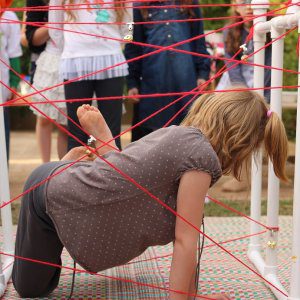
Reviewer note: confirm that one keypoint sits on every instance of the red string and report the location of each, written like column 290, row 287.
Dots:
column 190, row 101
column 240, row 213
column 171, row 210
column 40, row 24
column 80, row 6
column 136, row 125
column 119, row 134
column 207, row 246
column 182, row 218
column 55, row 106
column 105, row 276
column 109, row 98
column 160, row 49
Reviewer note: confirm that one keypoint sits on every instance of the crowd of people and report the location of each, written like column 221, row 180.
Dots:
column 84, row 49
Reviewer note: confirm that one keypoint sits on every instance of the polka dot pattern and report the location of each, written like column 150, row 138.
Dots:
column 104, row 220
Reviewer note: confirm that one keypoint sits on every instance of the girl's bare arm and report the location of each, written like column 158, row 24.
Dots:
column 40, row 36
column 190, row 201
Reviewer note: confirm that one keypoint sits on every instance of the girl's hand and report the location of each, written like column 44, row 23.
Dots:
column 132, row 94
column 200, row 81
column 78, row 152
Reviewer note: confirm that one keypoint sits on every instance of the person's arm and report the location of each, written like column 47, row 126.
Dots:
column 132, row 51
column 192, row 190
column 14, row 50
column 56, row 31
column 190, row 201
column 202, row 63
column 127, row 18
column 24, row 41
column 36, row 36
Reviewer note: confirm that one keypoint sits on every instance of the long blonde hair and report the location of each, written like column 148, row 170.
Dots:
column 119, row 7
column 236, row 124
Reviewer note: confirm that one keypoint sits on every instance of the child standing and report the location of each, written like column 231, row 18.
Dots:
column 167, row 71
column 10, row 51
column 178, row 164
column 46, row 75
column 242, row 74
column 84, row 54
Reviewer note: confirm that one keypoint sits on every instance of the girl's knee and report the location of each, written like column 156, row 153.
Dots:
column 28, row 285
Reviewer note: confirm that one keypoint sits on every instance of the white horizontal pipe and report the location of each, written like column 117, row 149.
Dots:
column 280, row 22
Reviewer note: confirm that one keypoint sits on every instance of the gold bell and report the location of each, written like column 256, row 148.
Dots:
column 128, row 38
column 272, row 244
column 244, row 57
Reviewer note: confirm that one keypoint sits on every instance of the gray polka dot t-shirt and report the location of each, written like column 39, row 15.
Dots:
column 103, row 219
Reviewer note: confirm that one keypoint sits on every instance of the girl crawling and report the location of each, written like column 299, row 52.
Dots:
column 104, row 220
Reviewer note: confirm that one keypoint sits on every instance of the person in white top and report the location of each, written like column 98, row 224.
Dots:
column 88, row 48
column 47, row 75
column 10, row 48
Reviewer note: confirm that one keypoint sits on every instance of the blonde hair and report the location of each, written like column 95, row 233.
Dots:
column 119, row 9
column 236, row 124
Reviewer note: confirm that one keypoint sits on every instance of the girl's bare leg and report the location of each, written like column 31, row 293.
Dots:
column 93, row 123
column 62, row 143
column 43, row 133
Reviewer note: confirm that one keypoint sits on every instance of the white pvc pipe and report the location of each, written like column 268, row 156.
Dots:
column 259, row 40
column 295, row 276
column 254, row 251
column 273, row 181
column 6, row 217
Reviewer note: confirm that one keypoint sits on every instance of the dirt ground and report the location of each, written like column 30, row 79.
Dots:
column 25, row 157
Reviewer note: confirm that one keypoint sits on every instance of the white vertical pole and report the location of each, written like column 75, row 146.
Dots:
column 273, row 181
column 259, row 40
column 295, row 277
column 7, row 227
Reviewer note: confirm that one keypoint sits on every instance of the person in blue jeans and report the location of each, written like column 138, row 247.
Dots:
column 167, row 71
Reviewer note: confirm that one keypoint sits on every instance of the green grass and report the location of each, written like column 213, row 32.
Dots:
column 215, row 210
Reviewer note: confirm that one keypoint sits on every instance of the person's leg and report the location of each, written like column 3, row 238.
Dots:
column 36, row 239
column 139, row 131
column 62, row 143
column 77, row 90
column 43, row 131
column 111, row 109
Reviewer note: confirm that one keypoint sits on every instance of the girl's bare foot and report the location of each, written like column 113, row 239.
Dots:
column 94, row 124
column 91, row 119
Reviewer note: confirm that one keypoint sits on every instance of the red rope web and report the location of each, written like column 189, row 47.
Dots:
column 195, row 92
